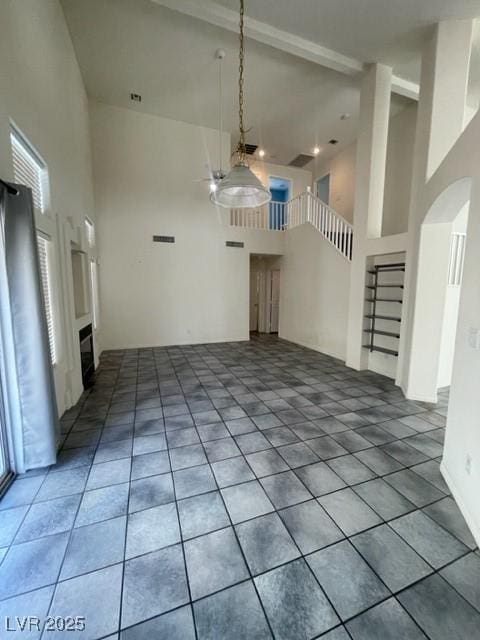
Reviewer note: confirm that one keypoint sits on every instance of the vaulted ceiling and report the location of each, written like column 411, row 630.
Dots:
column 293, row 104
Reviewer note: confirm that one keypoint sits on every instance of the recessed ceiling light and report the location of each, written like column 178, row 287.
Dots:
column 261, row 153
column 345, row 116
column 316, row 151
column 333, row 141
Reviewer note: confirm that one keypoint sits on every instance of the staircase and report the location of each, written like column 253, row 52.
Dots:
column 304, row 208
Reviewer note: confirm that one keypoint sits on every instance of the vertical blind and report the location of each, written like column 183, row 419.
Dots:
column 457, row 256
column 29, row 169
column 94, row 286
column 44, row 255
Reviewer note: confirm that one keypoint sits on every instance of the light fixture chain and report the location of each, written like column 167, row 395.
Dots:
column 241, row 143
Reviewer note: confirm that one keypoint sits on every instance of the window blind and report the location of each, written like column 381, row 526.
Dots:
column 29, row 169
column 44, row 250
column 94, row 287
column 457, row 255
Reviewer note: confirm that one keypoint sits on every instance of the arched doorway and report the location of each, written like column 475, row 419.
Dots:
column 437, row 294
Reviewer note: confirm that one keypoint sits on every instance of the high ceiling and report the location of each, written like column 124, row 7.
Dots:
column 167, row 57
column 388, row 31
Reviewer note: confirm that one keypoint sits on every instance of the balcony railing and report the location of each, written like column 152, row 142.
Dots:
column 280, row 216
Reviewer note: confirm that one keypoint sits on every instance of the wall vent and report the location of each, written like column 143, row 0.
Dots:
column 164, row 239
column 136, row 97
column 238, row 245
column 250, row 149
column 301, row 160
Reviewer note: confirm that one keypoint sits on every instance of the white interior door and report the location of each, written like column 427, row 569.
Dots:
column 262, row 297
column 253, row 300
column 274, row 300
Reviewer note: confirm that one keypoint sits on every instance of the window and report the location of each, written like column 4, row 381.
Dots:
column 90, row 230
column 29, row 169
column 94, row 287
column 45, row 259
column 457, row 255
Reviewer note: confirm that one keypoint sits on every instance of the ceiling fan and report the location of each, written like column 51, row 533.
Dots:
column 217, row 174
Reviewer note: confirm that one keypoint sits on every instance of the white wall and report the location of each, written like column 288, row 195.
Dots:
column 450, row 315
column 398, row 174
column 461, row 458
column 43, row 93
column 398, row 171
column 300, row 178
column 342, row 180
column 195, row 290
column 314, row 290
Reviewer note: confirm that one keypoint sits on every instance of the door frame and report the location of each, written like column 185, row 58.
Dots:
column 290, row 183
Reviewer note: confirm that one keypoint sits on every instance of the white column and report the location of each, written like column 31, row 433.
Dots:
column 444, row 81
column 369, row 191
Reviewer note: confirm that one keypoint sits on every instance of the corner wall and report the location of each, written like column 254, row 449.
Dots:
column 398, row 174
column 314, row 291
column 398, row 171
column 342, row 180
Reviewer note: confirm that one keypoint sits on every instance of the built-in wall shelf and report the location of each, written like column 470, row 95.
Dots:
column 378, row 317
column 390, row 352
column 384, row 300
column 381, row 313
column 385, row 286
column 399, row 266
column 379, row 332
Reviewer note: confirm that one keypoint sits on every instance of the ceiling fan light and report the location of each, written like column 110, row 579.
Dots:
column 240, row 189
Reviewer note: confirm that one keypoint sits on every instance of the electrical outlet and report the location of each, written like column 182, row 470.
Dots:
column 468, row 464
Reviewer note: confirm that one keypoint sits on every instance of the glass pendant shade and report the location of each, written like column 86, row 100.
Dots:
column 240, row 189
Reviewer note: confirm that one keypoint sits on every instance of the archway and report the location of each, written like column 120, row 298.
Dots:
column 441, row 250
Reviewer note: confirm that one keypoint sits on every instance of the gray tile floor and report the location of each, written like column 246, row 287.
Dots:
column 247, row 490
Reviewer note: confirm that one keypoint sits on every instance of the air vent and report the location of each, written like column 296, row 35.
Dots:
column 301, row 160
column 333, row 141
column 250, row 149
column 238, row 245
column 164, row 239
column 136, row 97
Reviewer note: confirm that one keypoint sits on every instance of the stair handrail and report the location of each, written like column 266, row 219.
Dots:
column 306, row 207
column 333, row 211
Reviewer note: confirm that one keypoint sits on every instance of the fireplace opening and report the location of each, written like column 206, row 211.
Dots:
column 87, row 356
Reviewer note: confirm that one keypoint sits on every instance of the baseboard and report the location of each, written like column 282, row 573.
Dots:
column 472, row 524
column 414, row 398
column 314, row 347
column 184, row 343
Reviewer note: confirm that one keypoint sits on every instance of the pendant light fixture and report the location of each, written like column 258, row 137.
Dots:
column 240, row 189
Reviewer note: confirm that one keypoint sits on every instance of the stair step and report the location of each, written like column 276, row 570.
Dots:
column 390, row 352
column 383, row 300
column 375, row 317
column 391, row 334
column 385, row 286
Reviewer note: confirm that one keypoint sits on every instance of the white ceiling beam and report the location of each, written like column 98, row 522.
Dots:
column 220, row 16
